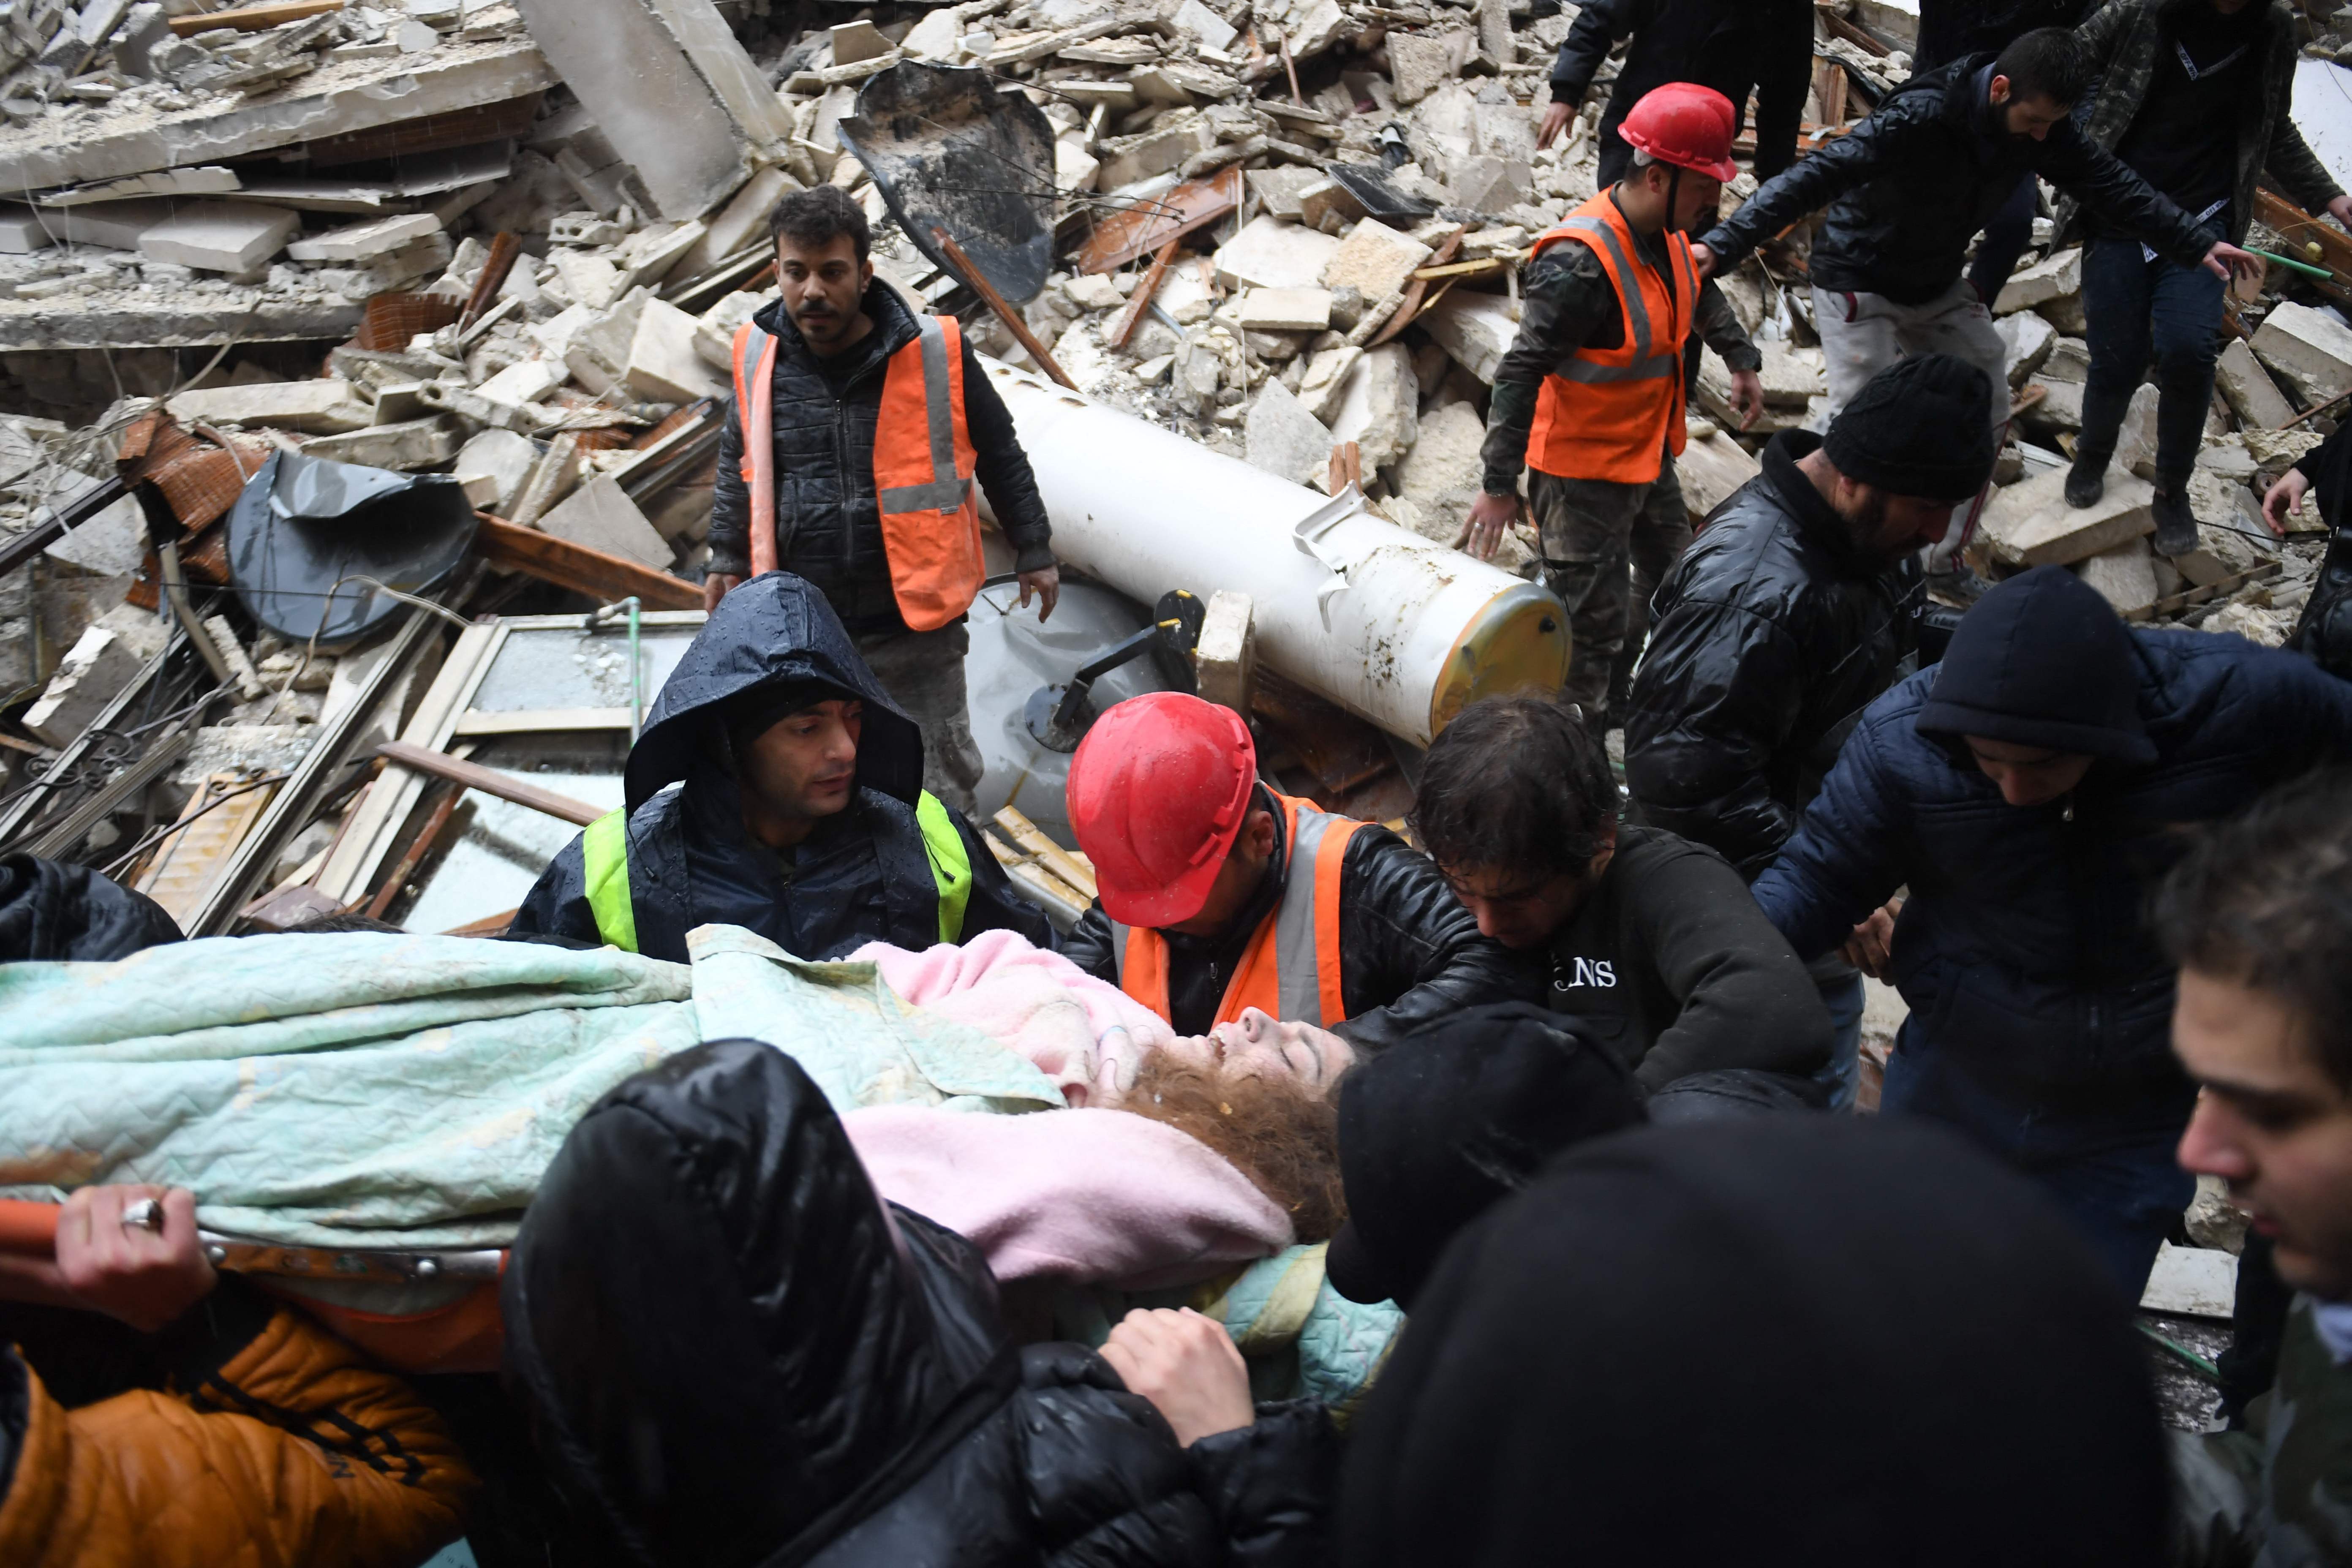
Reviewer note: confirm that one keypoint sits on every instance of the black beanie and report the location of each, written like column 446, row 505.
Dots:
column 1922, row 426
column 1451, row 1119
column 2041, row 660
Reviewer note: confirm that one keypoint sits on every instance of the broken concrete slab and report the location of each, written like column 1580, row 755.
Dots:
column 1328, row 206
column 2028, row 339
column 2308, row 349
column 1378, row 406
column 318, row 408
column 663, row 366
column 365, row 241
column 2125, row 575
column 1476, row 328
column 2030, row 524
column 92, row 674
column 741, row 223
column 1277, row 189
column 1711, row 466
column 1285, row 310
column 1419, row 63
column 1442, row 475
column 110, row 544
column 2053, row 278
column 1374, row 259
column 1325, row 378
column 221, row 237
column 502, row 460
column 856, row 41
column 2135, row 437
column 525, row 381
column 600, row 515
column 407, row 446
column 1226, row 656
column 2249, row 390
column 1283, row 439
column 1270, row 254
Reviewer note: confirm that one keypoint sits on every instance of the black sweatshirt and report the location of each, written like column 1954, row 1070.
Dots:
column 2184, row 141
column 1672, row 965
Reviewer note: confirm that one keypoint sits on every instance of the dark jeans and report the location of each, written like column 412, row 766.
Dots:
column 2109, row 1168
column 2005, row 239
column 2134, row 307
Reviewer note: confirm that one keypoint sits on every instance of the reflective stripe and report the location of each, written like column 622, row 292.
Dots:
column 755, row 385
column 935, row 395
column 1656, row 368
column 605, row 867
column 951, row 862
column 1636, row 312
column 940, row 495
column 1294, row 929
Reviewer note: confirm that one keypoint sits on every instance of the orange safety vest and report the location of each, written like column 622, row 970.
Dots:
column 923, row 465
column 1610, row 413
column 1291, row 970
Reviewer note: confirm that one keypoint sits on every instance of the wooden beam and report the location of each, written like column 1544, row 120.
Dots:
column 602, row 576
column 489, row 781
column 977, row 281
column 540, row 720
column 251, row 18
column 1130, row 315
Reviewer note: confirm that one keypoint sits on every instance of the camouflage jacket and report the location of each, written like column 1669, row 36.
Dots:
column 2122, row 40
column 2279, row 1493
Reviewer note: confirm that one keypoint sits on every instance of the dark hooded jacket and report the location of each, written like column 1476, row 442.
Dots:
column 2022, row 949
column 862, row 876
column 1731, row 45
column 828, row 527
column 1911, row 186
column 1409, row 952
column 49, row 910
column 2323, row 631
column 1766, row 640
column 734, row 1353
column 1860, row 1342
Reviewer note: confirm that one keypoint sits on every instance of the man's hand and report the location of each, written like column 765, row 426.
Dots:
column 1871, row 948
column 2340, row 209
column 1555, row 120
column 1482, row 528
column 1187, row 1366
column 146, row 1277
column 2225, row 258
column 1046, row 584
column 717, row 585
column 2287, row 494
column 1746, row 396
column 1703, row 260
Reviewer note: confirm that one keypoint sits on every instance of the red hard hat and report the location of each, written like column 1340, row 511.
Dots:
column 1157, row 795
column 1684, row 124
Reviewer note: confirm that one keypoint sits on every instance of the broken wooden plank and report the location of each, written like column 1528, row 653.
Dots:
column 541, row 721
column 977, row 281
column 1130, row 315
column 595, row 573
column 489, row 781
column 193, row 857
column 1027, row 836
column 251, row 18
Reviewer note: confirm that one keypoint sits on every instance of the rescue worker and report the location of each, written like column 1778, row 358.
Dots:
column 1590, row 394
column 1730, row 45
column 848, row 458
column 1647, row 941
column 1219, row 895
column 776, row 788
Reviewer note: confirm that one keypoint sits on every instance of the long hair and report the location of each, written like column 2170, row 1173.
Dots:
column 1277, row 1132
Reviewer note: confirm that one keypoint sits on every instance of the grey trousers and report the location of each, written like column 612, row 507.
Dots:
column 923, row 673
column 1606, row 546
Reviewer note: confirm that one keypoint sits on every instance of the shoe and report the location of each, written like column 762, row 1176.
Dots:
column 2087, row 481
column 1958, row 585
column 2175, row 525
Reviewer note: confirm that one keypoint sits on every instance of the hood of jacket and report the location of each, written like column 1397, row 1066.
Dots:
column 771, row 630
column 2040, row 661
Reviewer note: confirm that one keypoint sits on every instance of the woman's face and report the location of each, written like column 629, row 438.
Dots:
column 1257, row 1045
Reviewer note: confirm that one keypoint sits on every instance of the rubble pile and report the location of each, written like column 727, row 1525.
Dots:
column 505, row 246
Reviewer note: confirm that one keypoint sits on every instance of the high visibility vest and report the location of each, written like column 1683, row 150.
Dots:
column 1291, row 969
column 923, row 465
column 605, row 867
column 1608, row 413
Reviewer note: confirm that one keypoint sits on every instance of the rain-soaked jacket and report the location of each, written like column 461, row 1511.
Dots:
column 733, row 1352
column 896, row 866
column 51, row 910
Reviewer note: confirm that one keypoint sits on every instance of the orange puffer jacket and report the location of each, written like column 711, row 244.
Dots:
column 293, row 1450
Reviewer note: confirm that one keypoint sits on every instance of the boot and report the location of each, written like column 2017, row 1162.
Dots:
column 2175, row 525
column 2087, row 479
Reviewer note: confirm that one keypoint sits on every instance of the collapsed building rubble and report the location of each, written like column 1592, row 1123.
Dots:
column 503, row 247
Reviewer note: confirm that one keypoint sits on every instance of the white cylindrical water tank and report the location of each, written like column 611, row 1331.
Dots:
column 1389, row 626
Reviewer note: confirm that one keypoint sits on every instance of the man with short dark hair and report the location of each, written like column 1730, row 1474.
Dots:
column 1909, row 187
column 1652, row 943
column 777, row 787
column 2257, row 920
column 1797, row 605
column 848, row 458
column 2025, row 790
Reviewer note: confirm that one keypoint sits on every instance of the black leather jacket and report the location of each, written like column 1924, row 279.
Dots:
column 1730, row 45
column 734, row 1353
column 828, row 527
column 1766, row 640
column 1911, row 186
column 1409, row 952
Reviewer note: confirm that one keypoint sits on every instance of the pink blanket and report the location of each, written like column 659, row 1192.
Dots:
column 1084, row 1196
column 1085, row 1034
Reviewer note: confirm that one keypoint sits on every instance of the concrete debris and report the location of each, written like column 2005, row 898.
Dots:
column 1283, row 439
column 2251, row 395
column 2030, row 523
column 2046, row 282
column 2124, row 574
column 92, row 674
column 2308, row 349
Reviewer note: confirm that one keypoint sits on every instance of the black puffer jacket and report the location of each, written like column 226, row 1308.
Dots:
column 862, row 876
column 734, row 1353
column 1950, row 28
column 1409, row 952
column 1731, row 45
column 1911, row 186
column 49, row 910
column 828, row 527
column 1766, row 640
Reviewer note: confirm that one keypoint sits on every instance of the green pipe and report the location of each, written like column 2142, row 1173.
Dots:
column 2203, row 1368
column 2305, row 267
